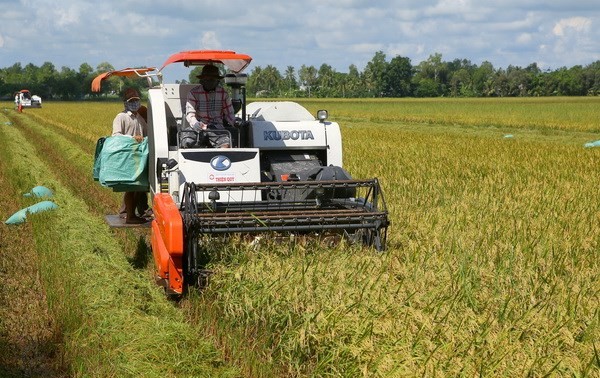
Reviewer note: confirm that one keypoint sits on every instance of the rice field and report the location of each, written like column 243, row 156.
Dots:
column 492, row 266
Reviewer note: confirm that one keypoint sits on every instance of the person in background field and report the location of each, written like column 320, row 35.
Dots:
column 130, row 122
column 208, row 105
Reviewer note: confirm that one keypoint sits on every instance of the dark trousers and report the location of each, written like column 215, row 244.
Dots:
column 141, row 205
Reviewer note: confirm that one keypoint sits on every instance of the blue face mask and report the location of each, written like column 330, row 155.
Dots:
column 132, row 106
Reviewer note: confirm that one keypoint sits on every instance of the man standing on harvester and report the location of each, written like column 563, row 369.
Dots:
column 208, row 105
column 130, row 122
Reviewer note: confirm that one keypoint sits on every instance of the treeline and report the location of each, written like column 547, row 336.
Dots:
column 430, row 78
column 397, row 77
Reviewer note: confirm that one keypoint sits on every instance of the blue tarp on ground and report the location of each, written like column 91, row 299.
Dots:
column 121, row 163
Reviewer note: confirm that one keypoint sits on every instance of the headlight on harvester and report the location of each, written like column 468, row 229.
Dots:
column 322, row 115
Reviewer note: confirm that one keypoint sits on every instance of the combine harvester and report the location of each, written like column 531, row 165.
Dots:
column 283, row 175
column 25, row 99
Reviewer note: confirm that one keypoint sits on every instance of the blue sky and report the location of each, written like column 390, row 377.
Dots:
column 133, row 33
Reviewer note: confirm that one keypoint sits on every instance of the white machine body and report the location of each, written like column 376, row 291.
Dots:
column 275, row 130
column 27, row 100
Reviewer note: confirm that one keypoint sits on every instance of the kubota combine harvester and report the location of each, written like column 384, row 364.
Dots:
column 25, row 99
column 283, row 175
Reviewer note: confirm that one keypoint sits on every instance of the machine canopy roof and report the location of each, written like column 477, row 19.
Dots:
column 141, row 72
column 232, row 60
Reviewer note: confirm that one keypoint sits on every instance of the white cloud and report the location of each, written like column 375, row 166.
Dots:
column 576, row 24
column 309, row 32
column 406, row 50
column 63, row 18
column 366, row 47
column 210, row 41
column 524, row 38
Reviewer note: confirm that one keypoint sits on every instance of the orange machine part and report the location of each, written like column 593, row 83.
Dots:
column 126, row 72
column 234, row 61
column 167, row 242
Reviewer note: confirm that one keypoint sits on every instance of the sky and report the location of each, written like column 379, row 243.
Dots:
column 340, row 33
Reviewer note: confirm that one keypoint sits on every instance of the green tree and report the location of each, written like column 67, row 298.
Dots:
column 30, row 73
column 340, row 82
column 85, row 75
column 483, row 79
column 519, row 81
column 398, row 78
column 308, row 78
column 68, row 86
column 433, row 70
column 374, row 75
column 12, row 80
column 501, row 83
column 591, row 77
column 289, row 81
column 253, row 81
column 325, row 81
column 430, row 78
column 426, row 87
column 461, row 83
column 15, row 74
column 48, row 78
column 353, row 84
column 264, row 82
column 272, row 80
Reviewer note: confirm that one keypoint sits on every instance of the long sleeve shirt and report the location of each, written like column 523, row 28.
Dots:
column 209, row 107
column 128, row 123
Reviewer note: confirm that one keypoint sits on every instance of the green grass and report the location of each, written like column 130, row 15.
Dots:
column 554, row 113
column 492, row 265
column 114, row 320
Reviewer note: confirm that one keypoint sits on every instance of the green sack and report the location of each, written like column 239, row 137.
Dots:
column 96, row 170
column 124, row 164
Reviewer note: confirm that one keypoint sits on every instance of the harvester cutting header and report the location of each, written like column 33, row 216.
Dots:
column 283, row 173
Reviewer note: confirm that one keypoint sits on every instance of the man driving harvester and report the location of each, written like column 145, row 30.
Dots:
column 208, row 105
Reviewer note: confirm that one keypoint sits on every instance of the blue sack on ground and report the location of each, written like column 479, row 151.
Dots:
column 41, row 206
column 592, row 144
column 21, row 215
column 124, row 164
column 39, row 191
column 18, row 217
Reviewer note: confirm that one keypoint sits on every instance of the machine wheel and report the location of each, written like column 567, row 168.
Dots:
column 191, row 251
column 194, row 273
